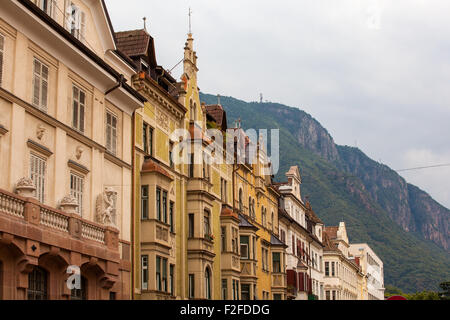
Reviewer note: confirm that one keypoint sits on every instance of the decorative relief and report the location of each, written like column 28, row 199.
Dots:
column 106, row 207
column 69, row 204
column 25, row 188
column 79, row 152
column 163, row 120
column 40, row 131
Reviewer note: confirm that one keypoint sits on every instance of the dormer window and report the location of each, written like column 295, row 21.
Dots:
column 48, row 6
column 76, row 21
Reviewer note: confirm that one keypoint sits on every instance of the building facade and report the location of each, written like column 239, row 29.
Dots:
column 302, row 231
column 343, row 278
column 372, row 268
column 66, row 111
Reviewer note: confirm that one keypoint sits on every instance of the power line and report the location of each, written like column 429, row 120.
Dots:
column 427, row 167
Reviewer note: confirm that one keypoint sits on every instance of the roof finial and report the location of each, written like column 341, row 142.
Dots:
column 145, row 23
column 190, row 20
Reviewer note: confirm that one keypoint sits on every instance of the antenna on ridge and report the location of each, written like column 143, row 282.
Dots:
column 260, row 98
column 145, row 23
column 218, row 99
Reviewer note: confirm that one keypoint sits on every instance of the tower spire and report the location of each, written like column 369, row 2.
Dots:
column 190, row 20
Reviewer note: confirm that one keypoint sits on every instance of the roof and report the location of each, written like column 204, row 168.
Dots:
column 151, row 166
column 217, row 113
column 331, row 232
column 136, row 43
column 311, row 214
column 274, row 241
column 328, row 245
column 244, row 223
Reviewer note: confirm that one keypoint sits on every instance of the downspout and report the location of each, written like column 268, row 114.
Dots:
column 119, row 83
column 133, row 203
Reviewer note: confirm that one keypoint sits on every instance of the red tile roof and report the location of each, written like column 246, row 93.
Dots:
column 151, row 166
column 331, row 232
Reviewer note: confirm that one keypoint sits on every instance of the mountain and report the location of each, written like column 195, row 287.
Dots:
column 403, row 224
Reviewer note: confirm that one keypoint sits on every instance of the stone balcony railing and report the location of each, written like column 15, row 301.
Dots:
column 248, row 268
column 155, row 231
column 32, row 211
column 230, row 261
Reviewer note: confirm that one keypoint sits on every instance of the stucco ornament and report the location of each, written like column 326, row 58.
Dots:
column 25, row 188
column 79, row 152
column 69, row 204
column 106, row 207
column 40, row 131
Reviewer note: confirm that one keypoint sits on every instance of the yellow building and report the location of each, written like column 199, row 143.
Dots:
column 263, row 274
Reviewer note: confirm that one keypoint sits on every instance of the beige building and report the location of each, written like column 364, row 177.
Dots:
column 343, row 278
column 66, row 108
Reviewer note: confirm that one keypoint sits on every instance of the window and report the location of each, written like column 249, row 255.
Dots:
column 171, row 154
column 276, row 262
column 76, row 22
column 47, row 6
column 241, row 204
column 277, row 297
column 283, row 236
column 147, row 139
column 207, row 225
column 191, row 225
column 235, row 289
column 244, row 247
column 224, row 289
column 171, row 207
column 164, row 205
column 40, row 85
column 223, row 190
column 144, row 268
column 224, row 239
column 334, row 295
column 191, row 166
column 208, row 284
column 164, row 275
column 265, row 254
column 245, row 292
column 191, row 286
column 79, row 294
column 158, row 204
column 332, row 270
column 158, row 274
column 79, row 105
column 76, row 190
column 111, row 133
column 37, row 284
column 192, row 110
column 172, row 279
column 264, row 217
column 2, row 50
column 38, row 168
column 235, row 241
column 144, row 202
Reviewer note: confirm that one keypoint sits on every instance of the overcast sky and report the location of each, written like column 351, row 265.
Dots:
column 375, row 73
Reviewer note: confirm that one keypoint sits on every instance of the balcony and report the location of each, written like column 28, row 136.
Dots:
column 201, row 247
column 279, row 280
column 17, row 212
column 157, row 232
column 248, row 268
column 230, row 261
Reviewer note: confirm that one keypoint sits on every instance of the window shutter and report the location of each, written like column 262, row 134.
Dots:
column 82, row 26
column 302, row 281
column 44, row 91
column 2, row 48
column 36, row 83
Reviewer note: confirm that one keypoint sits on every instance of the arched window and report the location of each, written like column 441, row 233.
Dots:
column 208, row 283
column 273, row 225
column 192, row 110
column 241, row 204
column 37, row 284
column 80, row 294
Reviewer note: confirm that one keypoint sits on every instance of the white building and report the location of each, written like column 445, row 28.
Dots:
column 372, row 267
column 301, row 230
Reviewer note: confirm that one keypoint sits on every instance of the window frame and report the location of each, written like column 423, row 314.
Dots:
column 77, row 194
column 112, row 131
column 80, row 114
column 39, row 83
column 144, row 272
column 145, row 202
column 39, row 178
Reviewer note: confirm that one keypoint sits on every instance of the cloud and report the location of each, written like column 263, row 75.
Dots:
column 374, row 71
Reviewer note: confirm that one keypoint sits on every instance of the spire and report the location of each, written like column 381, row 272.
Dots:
column 190, row 22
